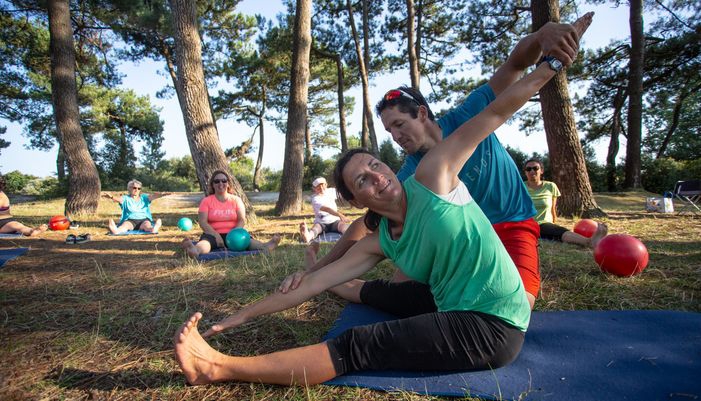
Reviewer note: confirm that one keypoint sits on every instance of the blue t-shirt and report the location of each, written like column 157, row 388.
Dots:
column 490, row 174
column 136, row 209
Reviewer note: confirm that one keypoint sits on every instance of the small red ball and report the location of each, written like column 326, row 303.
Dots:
column 586, row 227
column 59, row 223
column 621, row 254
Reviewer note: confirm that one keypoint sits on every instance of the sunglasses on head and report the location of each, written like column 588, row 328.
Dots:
column 397, row 93
column 533, row 168
column 220, row 181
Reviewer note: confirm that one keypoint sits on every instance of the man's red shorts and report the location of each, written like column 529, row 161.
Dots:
column 521, row 242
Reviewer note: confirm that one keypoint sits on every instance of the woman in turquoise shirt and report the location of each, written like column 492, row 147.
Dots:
column 136, row 210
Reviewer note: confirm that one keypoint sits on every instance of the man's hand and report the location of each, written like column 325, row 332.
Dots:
column 291, row 282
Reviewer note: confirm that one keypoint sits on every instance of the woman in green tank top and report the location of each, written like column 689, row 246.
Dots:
column 472, row 328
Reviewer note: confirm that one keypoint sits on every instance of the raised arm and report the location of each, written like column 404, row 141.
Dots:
column 438, row 170
column 152, row 197
column 111, row 197
column 359, row 259
column 558, row 40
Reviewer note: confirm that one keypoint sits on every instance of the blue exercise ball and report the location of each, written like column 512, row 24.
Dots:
column 238, row 239
column 185, row 224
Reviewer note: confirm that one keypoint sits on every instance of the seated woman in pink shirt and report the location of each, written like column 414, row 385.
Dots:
column 219, row 213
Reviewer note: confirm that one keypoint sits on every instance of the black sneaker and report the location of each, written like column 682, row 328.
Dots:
column 82, row 238
column 71, row 239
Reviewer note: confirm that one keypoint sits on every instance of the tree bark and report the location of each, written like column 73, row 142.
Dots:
column 565, row 151
column 261, row 125
column 411, row 45
column 83, row 179
column 367, row 110
column 200, row 129
column 290, row 199
column 635, row 97
column 341, row 104
column 614, row 145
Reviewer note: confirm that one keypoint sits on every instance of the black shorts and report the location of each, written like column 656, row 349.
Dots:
column 136, row 222
column 5, row 221
column 552, row 232
column 332, row 227
column 213, row 241
column 439, row 341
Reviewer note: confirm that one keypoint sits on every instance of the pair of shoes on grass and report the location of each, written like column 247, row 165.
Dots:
column 79, row 239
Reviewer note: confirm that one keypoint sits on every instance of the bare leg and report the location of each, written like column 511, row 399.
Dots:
column 269, row 246
column 202, row 364
column 146, row 226
column 124, row 227
column 350, row 290
column 195, row 250
column 17, row 227
column 112, row 226
column 571, row 237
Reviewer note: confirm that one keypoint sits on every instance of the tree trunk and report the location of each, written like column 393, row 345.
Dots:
column 290, row 199
column 261, row 125
column 200, row 129
column 411, row 46
column 341, row 104
column 83, row 179
column 61, row 162
column 367, row 110
column 635, row 96
column 616, row 129
column 308, row 146
column 565, row 150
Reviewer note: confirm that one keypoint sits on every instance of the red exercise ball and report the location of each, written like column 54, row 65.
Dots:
column 621, row 254
column 586, row 227
column 59, row 223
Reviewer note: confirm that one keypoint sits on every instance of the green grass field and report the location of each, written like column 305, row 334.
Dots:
column 95, row 320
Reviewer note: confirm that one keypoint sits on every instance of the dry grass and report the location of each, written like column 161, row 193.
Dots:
column 95, row 320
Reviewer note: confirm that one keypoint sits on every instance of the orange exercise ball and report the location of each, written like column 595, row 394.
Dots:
column 59, row 223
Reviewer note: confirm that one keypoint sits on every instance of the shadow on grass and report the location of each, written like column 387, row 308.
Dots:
column 133, row 378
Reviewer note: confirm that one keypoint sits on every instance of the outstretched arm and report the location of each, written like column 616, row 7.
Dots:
column 112, row 198
column 558, row 40
column 439, row 168
column 152, row 197
column 361, row 258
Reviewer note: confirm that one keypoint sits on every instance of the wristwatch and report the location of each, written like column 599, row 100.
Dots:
column 555, row 64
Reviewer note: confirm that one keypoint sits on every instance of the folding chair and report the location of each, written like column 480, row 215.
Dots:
column 689, row 193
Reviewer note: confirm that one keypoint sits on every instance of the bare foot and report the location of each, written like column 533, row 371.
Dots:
column 273, row 243
column 38, row 230
column 112, row 227
column 156, row 226
column 196, row 358
column 304, row 233
column 190, row 248
column 310, row 254
column 601, row 231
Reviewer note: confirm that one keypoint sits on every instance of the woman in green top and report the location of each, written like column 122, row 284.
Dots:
column 544, row 195
column 481, row 311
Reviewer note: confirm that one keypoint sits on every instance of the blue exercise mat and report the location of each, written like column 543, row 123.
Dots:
column 579, row 355
column 224, row 254
column 328, row 237
column 9, row 254
column 10, row 235
column 135, row 232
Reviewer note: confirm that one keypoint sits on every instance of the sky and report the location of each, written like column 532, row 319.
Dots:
column 147, row 78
